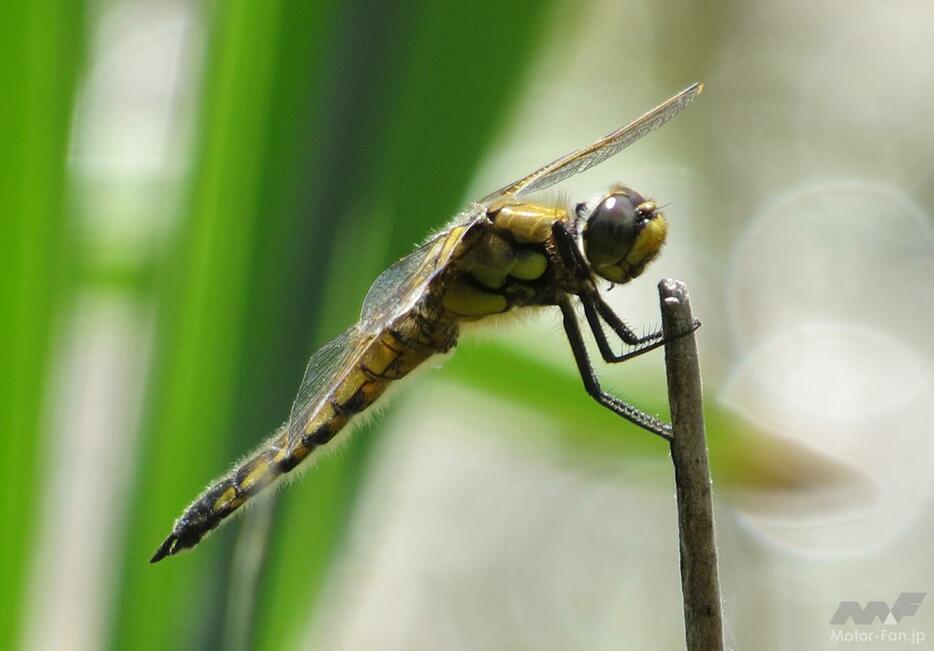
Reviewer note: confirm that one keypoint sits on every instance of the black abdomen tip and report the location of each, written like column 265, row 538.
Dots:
column 167, row 548
column 183, row 537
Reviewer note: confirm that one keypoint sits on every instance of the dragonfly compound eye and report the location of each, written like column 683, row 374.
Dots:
column 622, row 235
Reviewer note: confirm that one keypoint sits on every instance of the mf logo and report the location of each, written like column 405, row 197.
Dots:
column 906, row 604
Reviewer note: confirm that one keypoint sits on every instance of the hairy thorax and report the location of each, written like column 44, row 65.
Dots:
column 506, row 263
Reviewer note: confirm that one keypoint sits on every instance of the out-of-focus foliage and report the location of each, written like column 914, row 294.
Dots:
column 41, row 53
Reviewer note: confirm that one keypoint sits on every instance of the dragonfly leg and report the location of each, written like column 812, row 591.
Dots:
column 594, row 305
column 592, row 384
column 595, row 309
column 570, row 254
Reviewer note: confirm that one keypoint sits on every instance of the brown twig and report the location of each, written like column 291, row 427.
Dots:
column 700, row 584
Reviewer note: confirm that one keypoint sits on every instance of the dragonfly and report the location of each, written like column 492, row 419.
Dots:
column 502, row 253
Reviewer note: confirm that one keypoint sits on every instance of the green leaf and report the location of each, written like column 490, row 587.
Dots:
column 201, row 338
column 40, row 60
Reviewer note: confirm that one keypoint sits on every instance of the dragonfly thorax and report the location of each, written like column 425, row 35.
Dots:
column 622, row 234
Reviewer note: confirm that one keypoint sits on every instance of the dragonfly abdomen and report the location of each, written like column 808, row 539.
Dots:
column 389, row 357
column 228, row 494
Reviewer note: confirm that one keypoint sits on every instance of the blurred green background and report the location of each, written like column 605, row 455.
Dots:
column 195, row 195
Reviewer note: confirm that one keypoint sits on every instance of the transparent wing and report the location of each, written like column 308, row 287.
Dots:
column 324, row 372
column 391, row 296
column 399, row 288
column 594, row 154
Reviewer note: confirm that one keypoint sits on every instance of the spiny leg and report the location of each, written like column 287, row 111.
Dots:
column 594, row 308
column 642, row 344
column 598, row 306
column 592, row 384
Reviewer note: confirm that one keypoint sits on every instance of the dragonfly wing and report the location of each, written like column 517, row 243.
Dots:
column 401, row 286
column 594, row 154
column 391, row 296
column 323, row 374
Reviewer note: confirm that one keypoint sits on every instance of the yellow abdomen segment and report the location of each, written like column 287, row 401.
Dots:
column 389, row 357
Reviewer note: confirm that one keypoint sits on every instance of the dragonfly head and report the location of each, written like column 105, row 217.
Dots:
column 622, row 234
